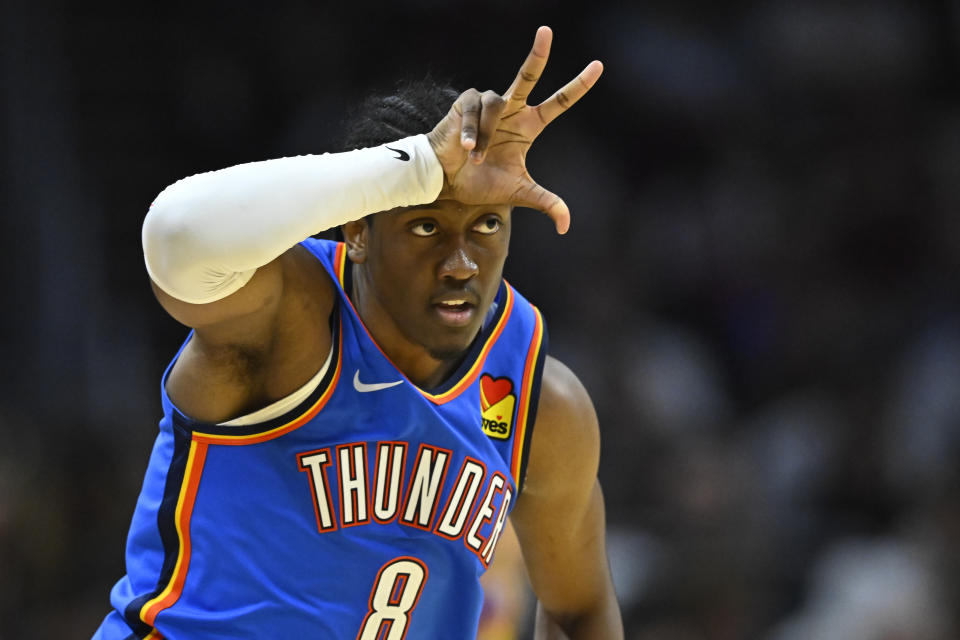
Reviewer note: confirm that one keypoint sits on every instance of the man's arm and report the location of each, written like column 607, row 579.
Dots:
column 206, row 236
column 559, row 517
column 218, row 246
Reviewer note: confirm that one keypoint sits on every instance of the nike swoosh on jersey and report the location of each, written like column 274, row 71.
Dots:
column 376, row 386
column 402, row 155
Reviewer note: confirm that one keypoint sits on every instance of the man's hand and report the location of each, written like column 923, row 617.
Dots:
column 482, row 142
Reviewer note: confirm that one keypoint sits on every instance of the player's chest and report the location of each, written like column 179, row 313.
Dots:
column 368, row 467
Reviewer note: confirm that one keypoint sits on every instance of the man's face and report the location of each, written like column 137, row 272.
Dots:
column 431, row 271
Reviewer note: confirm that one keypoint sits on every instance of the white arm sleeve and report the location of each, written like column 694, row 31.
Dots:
column 206, row 235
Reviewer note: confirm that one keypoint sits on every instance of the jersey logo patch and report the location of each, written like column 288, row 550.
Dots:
column 497, row 402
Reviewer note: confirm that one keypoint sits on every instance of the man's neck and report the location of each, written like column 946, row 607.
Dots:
column 414, row 360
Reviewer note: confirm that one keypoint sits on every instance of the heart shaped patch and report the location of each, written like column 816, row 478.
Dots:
column 493, row 391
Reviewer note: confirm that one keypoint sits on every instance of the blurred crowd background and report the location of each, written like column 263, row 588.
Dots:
column 759, row 289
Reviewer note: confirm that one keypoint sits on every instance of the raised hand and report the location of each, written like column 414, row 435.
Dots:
column 482, row 142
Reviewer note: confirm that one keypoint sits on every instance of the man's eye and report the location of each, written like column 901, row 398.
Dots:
column 488, row 226
column 424, row 229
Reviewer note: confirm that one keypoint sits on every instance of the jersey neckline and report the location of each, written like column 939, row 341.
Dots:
column 469, row 368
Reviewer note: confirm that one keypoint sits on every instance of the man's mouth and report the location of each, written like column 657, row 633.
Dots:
column 457, row 312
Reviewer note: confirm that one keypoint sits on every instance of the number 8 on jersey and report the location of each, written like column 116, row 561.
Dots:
column 393, row 597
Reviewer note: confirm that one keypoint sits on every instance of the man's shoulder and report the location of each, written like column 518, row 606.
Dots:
column 524, row 312
column 565, row 408
column 318, row 259
column 565, row 449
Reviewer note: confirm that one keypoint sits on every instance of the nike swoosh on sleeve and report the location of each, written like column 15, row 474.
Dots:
column 401, row 154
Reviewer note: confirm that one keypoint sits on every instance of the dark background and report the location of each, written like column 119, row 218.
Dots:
column 759, row 288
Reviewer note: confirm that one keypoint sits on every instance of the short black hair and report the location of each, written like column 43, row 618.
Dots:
column 413, row 107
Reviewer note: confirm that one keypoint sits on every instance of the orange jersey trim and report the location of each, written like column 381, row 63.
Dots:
column 340, row 261
column 525, row 390
column 470, row 375
column 183, row 513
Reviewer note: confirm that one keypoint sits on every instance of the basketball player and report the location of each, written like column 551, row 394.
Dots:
column 348, row 425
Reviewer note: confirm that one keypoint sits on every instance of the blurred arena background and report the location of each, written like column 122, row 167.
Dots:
column 760, row 288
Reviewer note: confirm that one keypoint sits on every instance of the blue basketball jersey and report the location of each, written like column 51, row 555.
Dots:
column 368, row 512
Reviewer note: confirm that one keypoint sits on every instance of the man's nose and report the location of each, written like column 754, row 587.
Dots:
column 458, row 264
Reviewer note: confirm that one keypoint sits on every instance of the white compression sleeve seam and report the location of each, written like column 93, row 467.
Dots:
column 205, row 236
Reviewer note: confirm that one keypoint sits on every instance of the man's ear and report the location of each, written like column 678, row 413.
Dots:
column 355, row 235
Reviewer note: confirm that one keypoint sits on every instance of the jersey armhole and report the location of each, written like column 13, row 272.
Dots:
column 532, row 378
